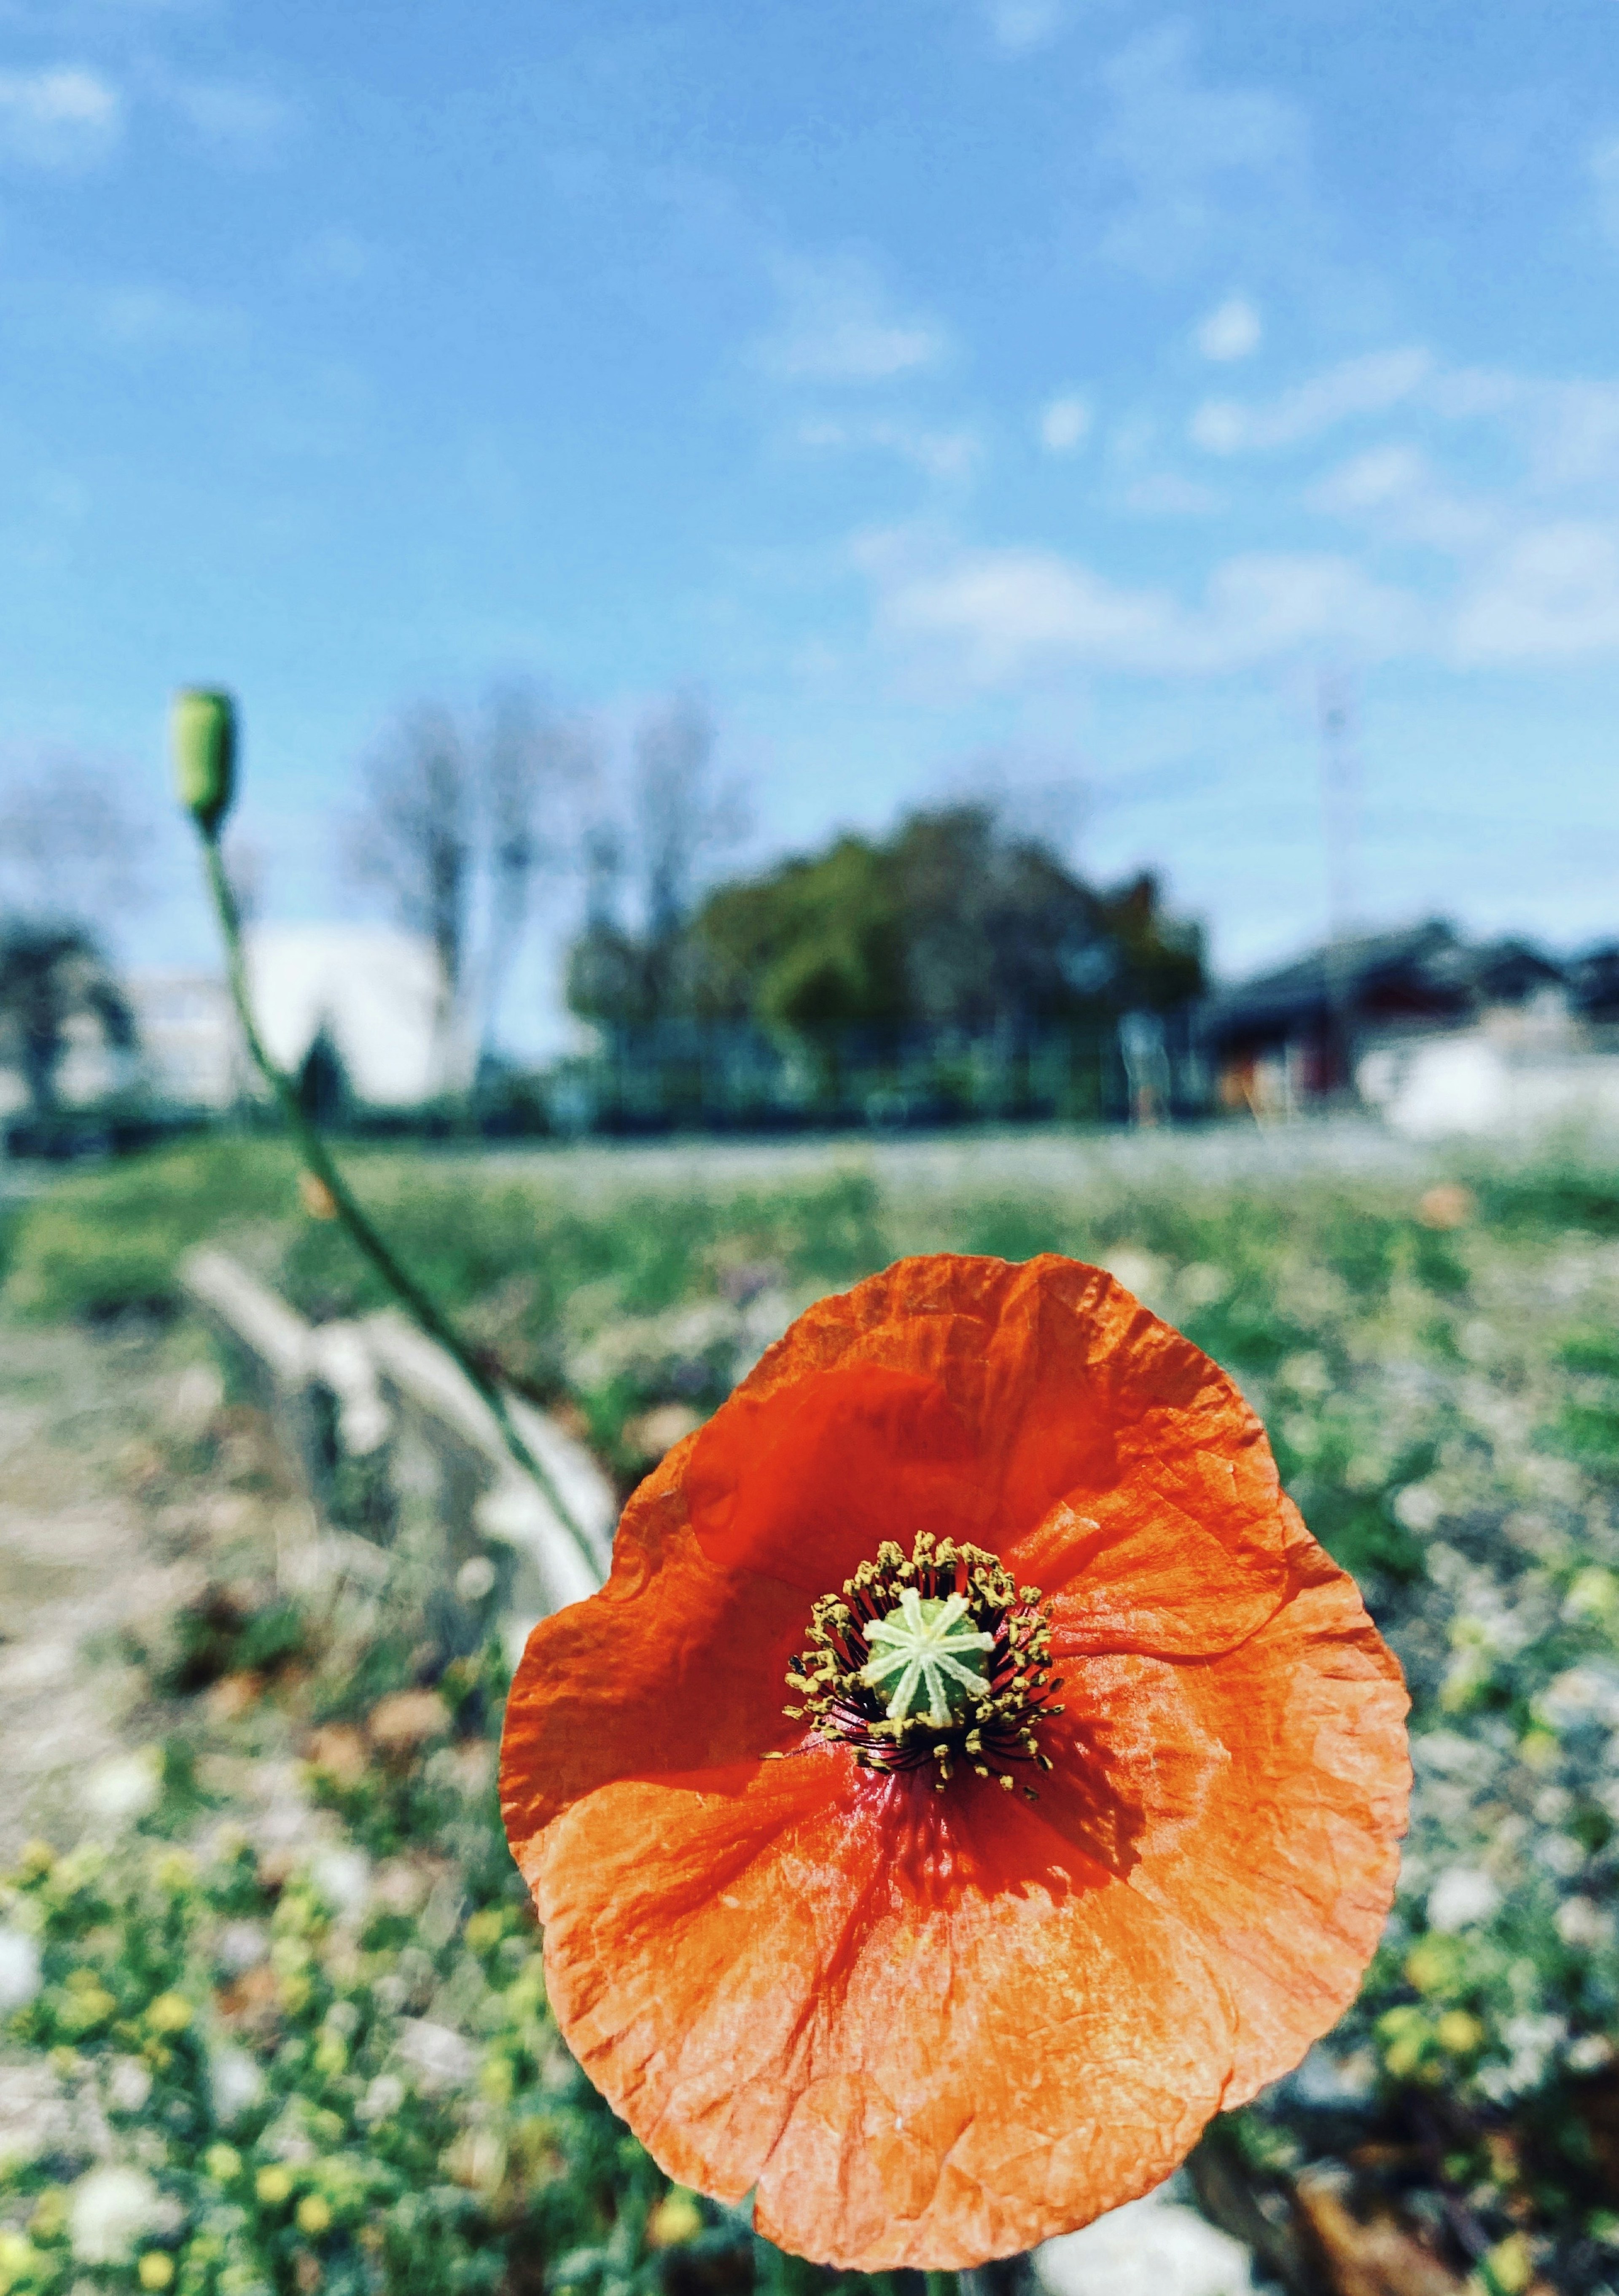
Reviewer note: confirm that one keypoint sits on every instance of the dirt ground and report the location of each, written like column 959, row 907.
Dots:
column 84, row 1557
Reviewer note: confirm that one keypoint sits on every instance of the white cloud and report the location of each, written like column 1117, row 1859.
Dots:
column 62, row 117
column 1573, row 433
column 1231, row 332
column 335, row 258
column 1200, row 167
column 1604, row 165
column 941, row 453
column 1361, row 386
column 147, row 318
column 241, row 121
column 1065, row 423
column 1005, row 612
column 1551, row 595
column 1396, row 490
column 838, row 325
column 1019, row 26
column 1166, row 494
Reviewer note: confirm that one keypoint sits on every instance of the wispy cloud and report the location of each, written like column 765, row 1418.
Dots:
column 1604, row 166
column 1551, row 595
column 232, row 118
column 141, row 318
column 61, row 117
column 950, row 454
column 1065, row 423
column 1197, row 165
column 1017, row 26
column 1002, row 614
column 1232, row 330
column 1360, row 386
column 1396, row 491
column 335, row 256
column 1167, row 494
column 839, row 325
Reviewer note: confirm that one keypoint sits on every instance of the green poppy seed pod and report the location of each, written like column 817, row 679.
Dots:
column 202, row 730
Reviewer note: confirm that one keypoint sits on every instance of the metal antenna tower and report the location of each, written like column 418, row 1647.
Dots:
column 1340, row 806
column 1338, row 718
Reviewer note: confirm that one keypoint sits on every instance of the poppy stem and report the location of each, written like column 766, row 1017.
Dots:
column 942, row 2284
column 318, row 1159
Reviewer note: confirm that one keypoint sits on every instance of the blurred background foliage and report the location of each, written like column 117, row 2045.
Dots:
column 1431, row 1345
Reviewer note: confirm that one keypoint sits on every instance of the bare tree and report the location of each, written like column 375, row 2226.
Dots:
column 681, row 816
column 414, row 843
column 534, row 767
column 72, row 849
column 455, row 830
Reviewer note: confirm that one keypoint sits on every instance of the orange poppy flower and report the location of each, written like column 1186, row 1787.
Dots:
column 971, row 1777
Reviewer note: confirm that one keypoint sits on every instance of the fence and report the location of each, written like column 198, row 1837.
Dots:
column 689, row 1074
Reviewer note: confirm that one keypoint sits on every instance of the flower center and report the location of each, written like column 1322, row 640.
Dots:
column 937, row 1658
column 926, row 1653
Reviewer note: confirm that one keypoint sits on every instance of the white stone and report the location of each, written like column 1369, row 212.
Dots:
column 1151, row 2247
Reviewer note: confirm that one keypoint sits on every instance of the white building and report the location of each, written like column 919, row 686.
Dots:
column 190, row 1053
column 1514, row 1073
column 376, row 997
column 373, row 996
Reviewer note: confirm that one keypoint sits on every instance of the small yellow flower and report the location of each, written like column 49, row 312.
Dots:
column 676, row 2218
column 484, row 1929
column 16, row 2255
column 1508, row 2269
column 313, row 2215
column 156, row 2268
column 1433, row 1964
column 170, row 2013
column 331, row 2054
column 50, row 2213
column 222, row 2162
column 1459, row 2034
column 273, row 2184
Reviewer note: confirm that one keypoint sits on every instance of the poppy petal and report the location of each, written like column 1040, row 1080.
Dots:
column 926, row 2037
column 677, row 1664
column 1291, row 1871
column 1039, row 1411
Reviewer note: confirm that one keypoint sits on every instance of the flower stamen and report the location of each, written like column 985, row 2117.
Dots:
column 928, row 1660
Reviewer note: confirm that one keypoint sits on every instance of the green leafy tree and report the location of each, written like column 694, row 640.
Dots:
column 952, row 923
column 51, row 976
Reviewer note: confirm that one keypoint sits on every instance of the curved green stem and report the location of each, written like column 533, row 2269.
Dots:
column 318, row 1159
column 942, row 2284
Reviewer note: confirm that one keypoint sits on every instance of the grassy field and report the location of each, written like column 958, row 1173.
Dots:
column 1434, row 1344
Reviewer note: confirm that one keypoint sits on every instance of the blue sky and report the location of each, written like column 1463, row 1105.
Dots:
column 1042, row 393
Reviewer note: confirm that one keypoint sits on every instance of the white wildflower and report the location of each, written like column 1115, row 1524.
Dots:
column 1581, row 1921
column 111, row 2210
column 236, row 2082
column 128, row 2084
column 19, row 1977
column 1461, row 1896
column 128, row 1786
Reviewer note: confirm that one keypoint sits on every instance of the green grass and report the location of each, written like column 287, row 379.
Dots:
column 1443, row 1407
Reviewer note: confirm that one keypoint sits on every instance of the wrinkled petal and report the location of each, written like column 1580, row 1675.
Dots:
column 1039, row 1411
column 1289, row 1876
column 925, row 2035
column 677, row 1664
column 927, row 2028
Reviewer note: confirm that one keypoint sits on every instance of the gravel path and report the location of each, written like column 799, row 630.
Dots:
column 80, row 1559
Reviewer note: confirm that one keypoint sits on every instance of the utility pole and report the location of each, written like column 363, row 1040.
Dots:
column 1340, row 765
